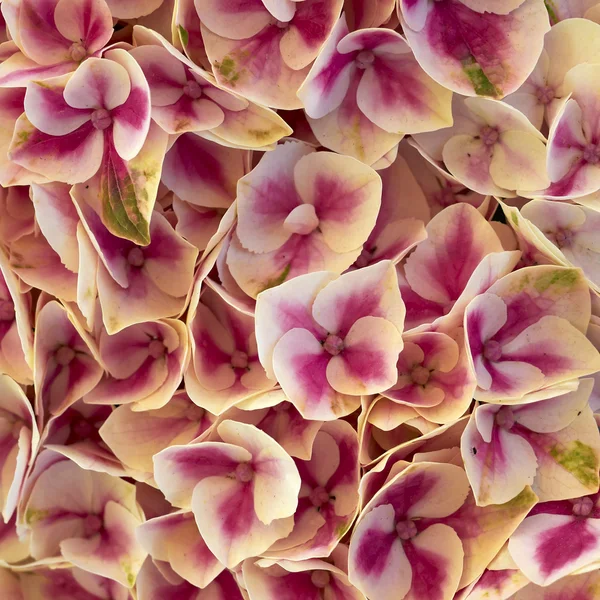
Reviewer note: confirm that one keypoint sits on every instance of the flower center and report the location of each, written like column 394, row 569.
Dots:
column 192, row 89
column 319, row 496
column 77, row 52
column 320, row 579
column 591, row 154
column 92, row 524
column 492, row 350
column 302, row 220
column 101, row 119
column 582, row 507
column 282, row 406
column 194, row 413
column 505, row 418
column 135, row 257
column 545, row 94
column 563, row 237
column 7, row 310
column 64, row 355
column 82, row 429
column 420, row 375
column 244, row 472
column 239, row 360
column 156, row 349
column 489, row 135
column 333, row 344
column 365, row 59
column 406, row 530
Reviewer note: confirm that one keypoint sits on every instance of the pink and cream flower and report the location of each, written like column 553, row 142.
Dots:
column 328, row 339
column 242, row 490
column 301, row 211
column 366, row 90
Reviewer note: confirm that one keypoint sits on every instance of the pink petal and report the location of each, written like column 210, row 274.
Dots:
column 363, row 13
column 555, row 413
column 302, row 41
column 396, row 94
column 34, row 261
column 164, row 73
column 329, row 79
column 283, row 308
column 300, row 255
column 48, row 111
column 557, row 360
column 415, row 13
column 57, row 218
column 500, row 469
column 378, row 564
column 369, row 292
column 252, row 127
column 567, row 459
column 89, row 22
column 469, row 160
column 131, row 118
column 178, row 469
column 174, row 538
column 98, row 83
column 347, row 130
column 135, row 437
column 226, row 519
column 276, row 479
column 254, row 67
column 461, row 62
column 300, row 365
column 273, row 177
column 65, row 366
column 349, row 203
column 71, row 158
column 237, row 19
column 350, row 372
column 118, row 556
column 186, row 115
column 534, row 546
column 458, row 239
column 202, row 172
column 18, row 70
column 483, row 531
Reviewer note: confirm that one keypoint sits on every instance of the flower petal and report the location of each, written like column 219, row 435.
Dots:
column 300, row 365
column 369, row 292
column 534, row 546
column 178, row 469
column 346, row 196
column 378, row 565
column 98, row 83
column 367, row 364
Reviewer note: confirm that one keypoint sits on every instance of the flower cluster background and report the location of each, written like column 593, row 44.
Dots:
column 299, row 299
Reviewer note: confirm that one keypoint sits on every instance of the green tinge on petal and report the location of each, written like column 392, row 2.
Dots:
column 481, row 84
column 227, row 69
column 278, row 280
column 562, row 278
column 551, row 12
column 580, row 460
column 184, row 35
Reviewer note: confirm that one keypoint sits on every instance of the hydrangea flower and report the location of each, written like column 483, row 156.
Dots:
column 299, row 300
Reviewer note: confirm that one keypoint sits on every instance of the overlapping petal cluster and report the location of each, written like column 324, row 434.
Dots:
column 299, row 299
